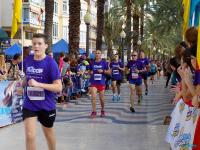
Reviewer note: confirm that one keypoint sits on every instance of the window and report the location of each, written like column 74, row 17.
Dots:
column 65, row 7
column 29, row 35
column 34, row 18
column 65, row 33
column 55, row 29
column 82, row 37
column 56, row 7
column 26, row 15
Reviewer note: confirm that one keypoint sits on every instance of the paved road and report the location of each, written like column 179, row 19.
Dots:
column 119, row 130
column 151, row 111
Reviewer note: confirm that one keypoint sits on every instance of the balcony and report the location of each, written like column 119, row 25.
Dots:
column 32, row 18
column 39, row 3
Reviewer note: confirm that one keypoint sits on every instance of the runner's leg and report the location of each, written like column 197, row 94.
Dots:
column 50, row 137
column 93, row 91
column 30, row 133
column 102, row 99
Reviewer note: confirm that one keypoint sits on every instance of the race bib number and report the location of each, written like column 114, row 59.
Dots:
column 97, row 77
column 115, row 72
column 35, row 94
column 134, row 75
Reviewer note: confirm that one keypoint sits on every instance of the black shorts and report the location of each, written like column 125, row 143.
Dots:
column 118, row 81
column 152, row 73
column 46, row 118
column 144, row 76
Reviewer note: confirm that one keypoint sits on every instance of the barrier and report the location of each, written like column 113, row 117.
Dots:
column 10, row 103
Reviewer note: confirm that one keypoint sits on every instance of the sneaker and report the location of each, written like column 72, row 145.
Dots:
column 146, row 92
column 102, row 113
column 118, row 98
column 132, row 109
column 114, row 98
column 93, row 115
column 139, row 99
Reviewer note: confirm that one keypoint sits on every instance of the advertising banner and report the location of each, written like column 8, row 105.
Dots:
column 10, row 102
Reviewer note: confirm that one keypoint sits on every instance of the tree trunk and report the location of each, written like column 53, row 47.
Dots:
column 135, row 30
column 110, row 52
column 49, row 8
column 142, row 23
column 100, row 23
column 128, row 28
column 74, row 26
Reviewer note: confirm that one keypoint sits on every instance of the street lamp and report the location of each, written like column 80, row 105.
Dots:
column 123, row 35
column 87, row 20
column 139, row 43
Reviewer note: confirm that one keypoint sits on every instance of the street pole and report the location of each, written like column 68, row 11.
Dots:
column 149, row 52
column 123, row 35
column 122, row 56
column 87, row 38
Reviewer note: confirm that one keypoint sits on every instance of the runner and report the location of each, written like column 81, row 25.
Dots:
column 133, row 68
column 98, row 69
column 159, row 69
column 152, row 71
column 116, row 69
column 144, row 74
column 42, row 81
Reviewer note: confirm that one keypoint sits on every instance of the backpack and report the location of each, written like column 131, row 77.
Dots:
column 153, row 68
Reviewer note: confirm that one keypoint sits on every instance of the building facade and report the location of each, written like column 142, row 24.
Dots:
column 33, row 20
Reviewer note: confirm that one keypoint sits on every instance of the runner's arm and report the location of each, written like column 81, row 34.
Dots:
column 107, row 71
column 56, row 86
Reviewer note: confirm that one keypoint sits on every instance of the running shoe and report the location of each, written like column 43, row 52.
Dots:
column 146, row 92
column 132, row 109
column 93, row 115
column 102, row 113
column 118, row 98
column 114, row 98
column 139, row 99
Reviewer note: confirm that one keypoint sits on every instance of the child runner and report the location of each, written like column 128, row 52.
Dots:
column 42, row 81
column 98, row 70
column 116, row 73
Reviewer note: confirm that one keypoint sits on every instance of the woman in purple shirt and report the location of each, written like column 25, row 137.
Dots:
column 98, row 70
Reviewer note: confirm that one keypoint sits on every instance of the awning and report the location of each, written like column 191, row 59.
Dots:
column 81, row 51
column 15, row 49
column 60, row 46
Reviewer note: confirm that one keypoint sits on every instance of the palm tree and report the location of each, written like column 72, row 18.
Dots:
column 49, row 8
column 100, row 23
column 74, row 26
column 112, row 29
column 142, row 21
column 136, row 19
column 164, row 25
column 128, row 28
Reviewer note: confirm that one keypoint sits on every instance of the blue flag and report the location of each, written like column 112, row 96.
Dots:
column 194, row 13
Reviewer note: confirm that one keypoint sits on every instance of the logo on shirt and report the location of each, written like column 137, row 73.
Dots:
column 97, row 66
column 115, row 66
column 32, row 70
